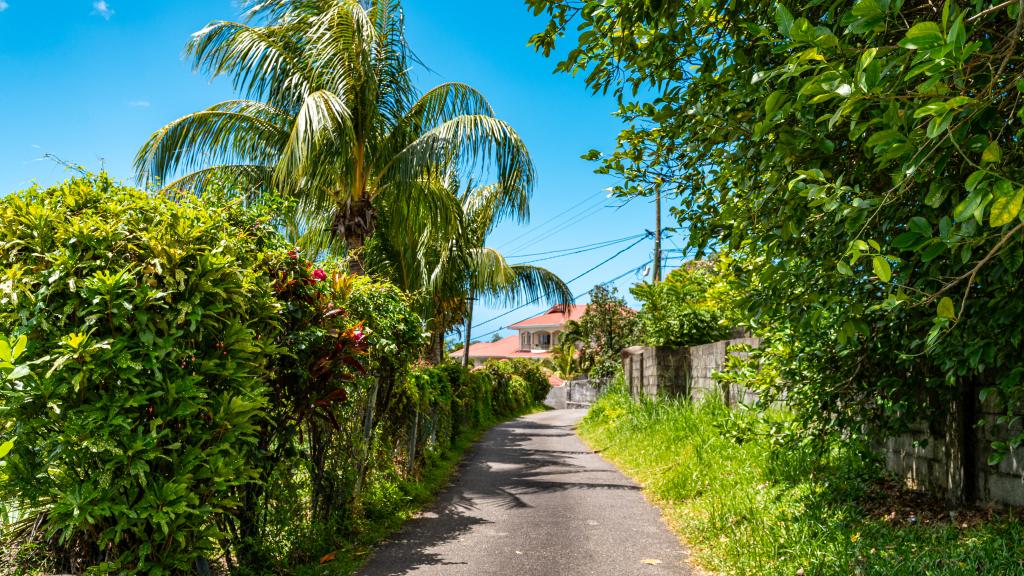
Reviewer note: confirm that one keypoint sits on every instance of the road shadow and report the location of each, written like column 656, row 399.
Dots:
column 506, row 466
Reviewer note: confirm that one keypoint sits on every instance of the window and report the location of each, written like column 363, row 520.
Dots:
column 544, row 339
column 524, row 340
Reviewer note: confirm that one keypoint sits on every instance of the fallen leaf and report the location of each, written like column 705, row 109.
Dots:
column 328, row 557
column 650, row 561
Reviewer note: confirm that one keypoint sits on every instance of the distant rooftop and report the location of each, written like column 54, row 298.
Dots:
column 555, row 316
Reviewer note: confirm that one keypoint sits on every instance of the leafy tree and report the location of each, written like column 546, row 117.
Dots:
column 861, row 160
column 605, row 329
column 331, row 118
column 681, row 310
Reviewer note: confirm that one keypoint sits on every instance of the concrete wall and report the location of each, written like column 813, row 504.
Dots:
column 949, row 456
column 583, row 393
column 654, row 371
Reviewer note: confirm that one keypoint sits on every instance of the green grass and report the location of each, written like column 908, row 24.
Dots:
column 407, row 498
column 749, row 508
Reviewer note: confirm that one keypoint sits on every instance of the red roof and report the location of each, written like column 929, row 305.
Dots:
column 504, row 348
column 556, row 316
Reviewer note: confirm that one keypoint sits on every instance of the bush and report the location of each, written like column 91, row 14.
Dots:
column 684, row 310
column 151, row 328
column 192, row 389
column 532, row 374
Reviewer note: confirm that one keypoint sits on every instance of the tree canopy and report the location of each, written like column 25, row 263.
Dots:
column 861, row 162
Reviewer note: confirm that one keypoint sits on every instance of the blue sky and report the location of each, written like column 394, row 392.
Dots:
column 89, row 81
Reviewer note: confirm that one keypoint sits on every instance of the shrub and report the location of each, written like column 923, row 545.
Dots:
column 534, row 377
column 151, row 329
column 681, row 311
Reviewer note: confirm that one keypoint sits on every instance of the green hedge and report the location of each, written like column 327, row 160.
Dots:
column 194, row 392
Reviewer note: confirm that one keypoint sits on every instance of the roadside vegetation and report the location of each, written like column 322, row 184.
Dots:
column 750, row 508
column 182, row 391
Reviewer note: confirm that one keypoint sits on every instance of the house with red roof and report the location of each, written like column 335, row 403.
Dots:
column 534, row 337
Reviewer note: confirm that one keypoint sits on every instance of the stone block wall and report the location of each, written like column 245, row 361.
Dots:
column 583, row 393
column 949, row 456
column 653, row 371
column 656, row 370
column 708, row 359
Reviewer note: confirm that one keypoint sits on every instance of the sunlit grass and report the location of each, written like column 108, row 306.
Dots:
column 750, row 508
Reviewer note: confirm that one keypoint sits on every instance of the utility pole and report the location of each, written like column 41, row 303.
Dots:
column 657, row 235
column 469, row 325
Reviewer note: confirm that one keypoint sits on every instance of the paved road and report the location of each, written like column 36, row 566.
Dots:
column 532, row 499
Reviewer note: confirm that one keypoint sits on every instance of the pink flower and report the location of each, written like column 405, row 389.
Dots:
column 319, row 274
column 358, row 335
column 293, row 254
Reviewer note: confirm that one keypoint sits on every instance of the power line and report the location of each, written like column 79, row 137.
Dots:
column 577, row 247
column 577, row 277
column 542, row 225
column 582, row 250
column 553, row 218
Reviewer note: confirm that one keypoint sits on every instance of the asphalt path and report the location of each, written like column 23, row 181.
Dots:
column 532, row 499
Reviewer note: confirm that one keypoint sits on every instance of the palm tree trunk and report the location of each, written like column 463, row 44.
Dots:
column 354, row 221
column 469, row 326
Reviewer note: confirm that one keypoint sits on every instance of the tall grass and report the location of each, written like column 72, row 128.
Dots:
column 750, row 507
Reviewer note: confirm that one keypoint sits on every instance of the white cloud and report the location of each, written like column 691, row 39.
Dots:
column 102, row 8
column 4, row 5
column 139, row 103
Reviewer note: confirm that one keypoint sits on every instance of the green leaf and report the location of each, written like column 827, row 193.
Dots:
column 923, row 35
column 1006, row 204
column 772, row 103
column 881, row 267
column 945, row 309
column 936, row 194
column 974, row 179
column 906, row 240
column 965, row 209
column 933, row 251
column 784, row 18
column 931, row 109
column 921, row 226
column 844, row 268
column 6, row 447
column 992, row 153
column 19, row 347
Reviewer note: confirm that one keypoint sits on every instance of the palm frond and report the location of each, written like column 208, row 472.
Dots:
column 265, row 62
column 498, row 282
column 487, row 206
column 477, row 143
column 319, row 138
column 231, row 132
column 250, row 180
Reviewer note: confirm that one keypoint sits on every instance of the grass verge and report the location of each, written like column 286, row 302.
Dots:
column 409, row 498
column 749, row 508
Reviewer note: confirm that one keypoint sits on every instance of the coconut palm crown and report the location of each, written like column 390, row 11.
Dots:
column 329, row 115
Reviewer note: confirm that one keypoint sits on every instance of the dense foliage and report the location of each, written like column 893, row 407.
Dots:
column 152, row 328
column 860, row 159
column 181, row 388
column 684, row 309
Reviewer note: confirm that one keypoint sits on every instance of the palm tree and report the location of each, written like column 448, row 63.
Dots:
column 450, row 271
column 329, row 116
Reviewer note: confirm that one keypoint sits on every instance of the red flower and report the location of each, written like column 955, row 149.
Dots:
column 319, row 274
column 293, row 254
